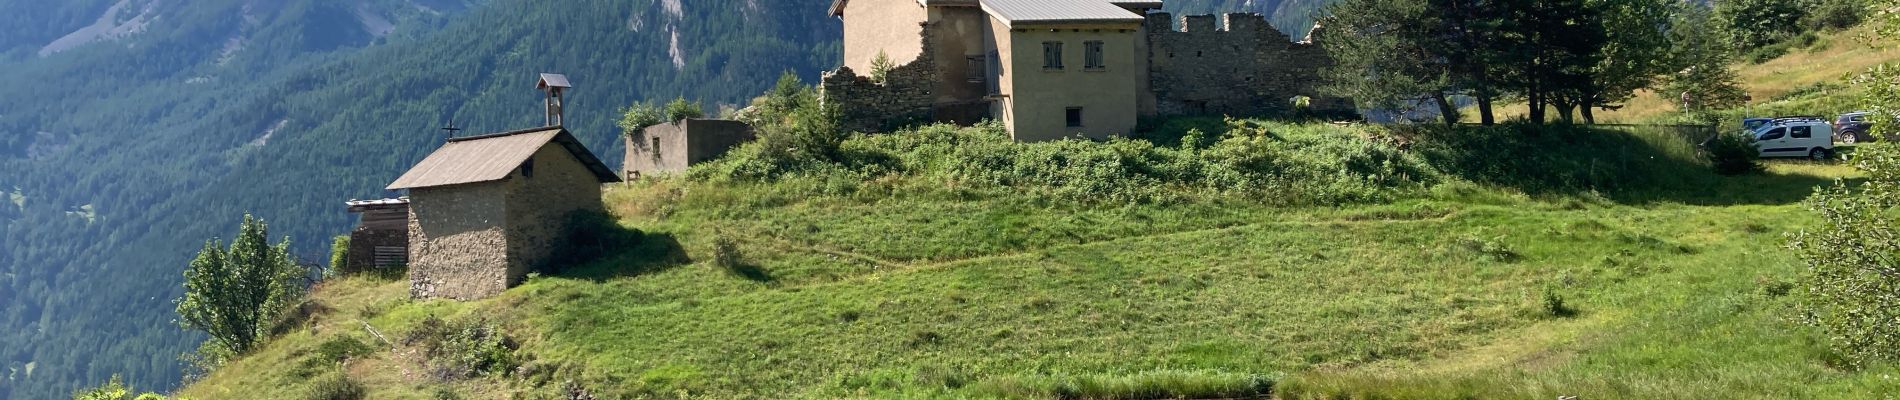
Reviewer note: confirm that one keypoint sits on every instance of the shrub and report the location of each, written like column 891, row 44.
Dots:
column 339, row 256
column 726, row 252
column 237, row 295
column 1848, row 289
column 336, row 386
column 638, row 116
column 1555, row 306
column 682, row 109
column 1733, row 154
column 334, row 352
column 465, row 349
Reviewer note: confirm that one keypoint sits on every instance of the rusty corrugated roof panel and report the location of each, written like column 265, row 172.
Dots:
column 492, row 157
column 1015, row 12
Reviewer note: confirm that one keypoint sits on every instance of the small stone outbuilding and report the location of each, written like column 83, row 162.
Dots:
column 672, row 147
column 485, row 210
column 381, row 238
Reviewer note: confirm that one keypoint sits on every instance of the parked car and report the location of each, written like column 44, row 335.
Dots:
column 1753, row 124
column 1811, row 137
column 1852, row 127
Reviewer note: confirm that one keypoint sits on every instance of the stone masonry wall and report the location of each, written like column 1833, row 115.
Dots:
column 363, row 244
column 540, row 208
column 457, row 247
column 905, row 95
column 1235, row 64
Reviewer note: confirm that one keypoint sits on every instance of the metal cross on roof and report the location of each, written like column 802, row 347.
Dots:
column 451, row 129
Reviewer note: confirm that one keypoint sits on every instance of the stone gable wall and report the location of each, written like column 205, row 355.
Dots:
column 1234, row 64
column 457, row 246
column 540, row 209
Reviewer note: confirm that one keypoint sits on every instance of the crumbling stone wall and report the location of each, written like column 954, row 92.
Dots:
column 905, row 96
column 681, row 145
column 457, row 245
column 1234, row 64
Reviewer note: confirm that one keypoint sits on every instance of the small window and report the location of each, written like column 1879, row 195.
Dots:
column 527, row 168
column 1074, row 117
column 1801, row 132
column 1052, row 55
column 655, row 148
column 1093, row 55
column 977, row 68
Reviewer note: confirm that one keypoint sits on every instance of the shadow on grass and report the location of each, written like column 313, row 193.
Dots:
column 752, row 273
column 599, row 249
column 1625, row 165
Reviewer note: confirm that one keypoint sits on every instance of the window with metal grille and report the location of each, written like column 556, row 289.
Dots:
column 977, row 68
column 1052, row 55
column 1074, row 117
column 1092, row 58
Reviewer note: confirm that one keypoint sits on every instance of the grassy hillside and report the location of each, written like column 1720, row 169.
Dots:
column 1809, row 80
column 1494, row 269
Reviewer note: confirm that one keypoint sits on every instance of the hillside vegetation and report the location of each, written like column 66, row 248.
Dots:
column 1812, row 78
column 1341, row 262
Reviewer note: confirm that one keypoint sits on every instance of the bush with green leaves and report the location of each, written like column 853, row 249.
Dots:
column 236, row 295
column 639, row 116
column 1853, row 261
column 463, row 349
column 1277, row 163
column 336, row 385
column 113, row 389
column 1733, row 154
column 683, row 109
column 339, row 256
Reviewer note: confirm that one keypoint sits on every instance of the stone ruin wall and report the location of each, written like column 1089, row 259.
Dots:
column 1234, row 64
column 905, row 96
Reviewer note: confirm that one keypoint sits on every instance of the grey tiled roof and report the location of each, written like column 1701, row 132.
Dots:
column 1015, row 12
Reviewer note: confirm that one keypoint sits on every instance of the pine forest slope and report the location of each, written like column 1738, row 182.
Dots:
column 134, row 129
column 163, row 138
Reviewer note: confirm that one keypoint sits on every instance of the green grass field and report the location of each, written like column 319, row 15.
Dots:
column 1670, row 285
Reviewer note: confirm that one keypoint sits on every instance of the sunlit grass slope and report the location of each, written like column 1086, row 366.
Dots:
column 1809, row 79
column 1458, row 290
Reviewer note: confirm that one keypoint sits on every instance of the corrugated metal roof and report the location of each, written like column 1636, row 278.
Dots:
column 1014, row 12
column 492, row 157
column 554, row 80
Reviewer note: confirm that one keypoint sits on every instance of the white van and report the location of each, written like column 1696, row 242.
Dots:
column 1810, row 137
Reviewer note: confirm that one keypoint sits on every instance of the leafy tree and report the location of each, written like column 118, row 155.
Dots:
column 638, row 116
column 1701, row 60
column 1853, row 261
column 1386, row 56
column 235, row 295
column 1750, row 24
column 1628, row 58
column 682, row 109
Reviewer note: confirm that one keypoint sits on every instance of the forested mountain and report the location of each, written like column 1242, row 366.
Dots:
column 123, row 150
column 1295, row 17
column 132, row 130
